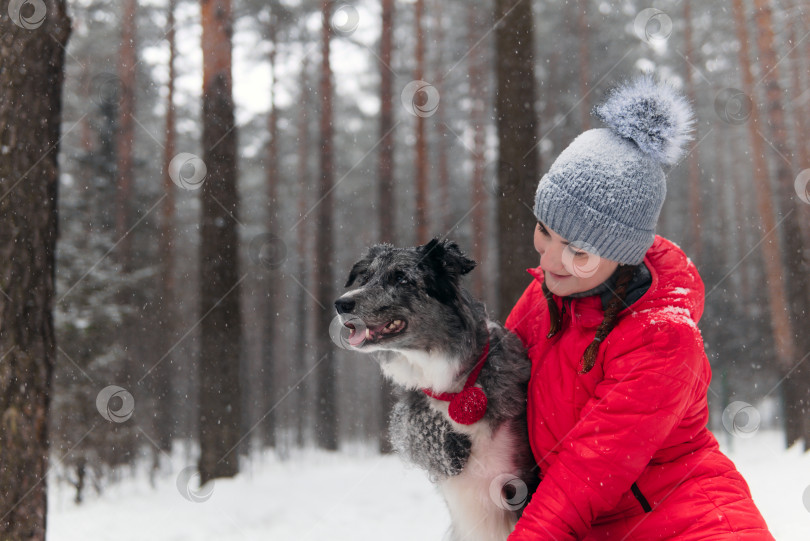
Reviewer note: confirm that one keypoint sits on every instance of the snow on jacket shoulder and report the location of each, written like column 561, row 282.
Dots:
column 619, row 446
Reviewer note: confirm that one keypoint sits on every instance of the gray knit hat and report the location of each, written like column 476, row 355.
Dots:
column 605, row 191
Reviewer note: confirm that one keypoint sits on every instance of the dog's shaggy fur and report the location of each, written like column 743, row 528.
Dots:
column 427, row 332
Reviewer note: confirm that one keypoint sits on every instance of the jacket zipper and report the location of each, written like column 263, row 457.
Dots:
column 562, row 312
column 645, row 505
column 562, row 317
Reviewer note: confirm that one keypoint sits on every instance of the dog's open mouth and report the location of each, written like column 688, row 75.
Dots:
column 360, row 334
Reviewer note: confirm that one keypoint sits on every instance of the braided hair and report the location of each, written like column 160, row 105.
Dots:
column 623, row 276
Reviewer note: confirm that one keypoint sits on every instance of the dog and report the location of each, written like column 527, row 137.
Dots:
column 461, row 381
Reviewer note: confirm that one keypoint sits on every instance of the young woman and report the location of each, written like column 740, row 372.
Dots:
column 617, row 399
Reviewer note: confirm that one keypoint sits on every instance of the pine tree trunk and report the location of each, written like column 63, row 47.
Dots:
column 124, row 168
column 270, row 385
column 125, row 136
column 745, row 208
column 304, row 259
column 794, row 262
column 385, row 186
column 771, row 249
column 422, row 215
column 444, row 210
column 385, row 168
column 326, row 429
column 801, row 107
column 163, row 375
column 220, row 328
column 805, row 16
column 87, row 131
column 696, row 241
column 477, row 73
column 547, row 118
column 584, row 65
column 31, row 74
column 518, row 171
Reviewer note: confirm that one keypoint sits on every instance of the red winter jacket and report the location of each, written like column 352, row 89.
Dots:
column 623, row 451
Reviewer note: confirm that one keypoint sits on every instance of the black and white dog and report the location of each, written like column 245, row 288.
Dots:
column 461, row 409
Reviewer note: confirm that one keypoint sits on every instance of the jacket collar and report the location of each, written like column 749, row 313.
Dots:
column 674, row 285
column 588, row 310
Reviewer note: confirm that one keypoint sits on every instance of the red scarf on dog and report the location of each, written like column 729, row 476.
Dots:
column 469, row 405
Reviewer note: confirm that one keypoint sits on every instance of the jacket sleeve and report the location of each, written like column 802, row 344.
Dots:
column 645, row 393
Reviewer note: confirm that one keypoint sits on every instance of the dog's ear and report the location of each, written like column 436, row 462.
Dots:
column 365, row 262
column 446, row 255
column 455, row 261
column 448, row 264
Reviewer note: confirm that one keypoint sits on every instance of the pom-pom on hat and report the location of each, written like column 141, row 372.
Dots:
column 604, row 192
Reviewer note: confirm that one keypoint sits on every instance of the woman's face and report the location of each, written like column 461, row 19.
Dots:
column 566, row 268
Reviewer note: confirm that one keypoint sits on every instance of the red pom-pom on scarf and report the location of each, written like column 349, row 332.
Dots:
column 468, row 406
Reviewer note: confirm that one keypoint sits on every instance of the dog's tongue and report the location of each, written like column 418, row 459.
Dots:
column 359, row 332
column 356, row 338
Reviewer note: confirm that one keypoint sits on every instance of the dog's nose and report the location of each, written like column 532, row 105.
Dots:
column 344, row 306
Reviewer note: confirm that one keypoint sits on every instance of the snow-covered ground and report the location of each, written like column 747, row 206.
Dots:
column 356, row 496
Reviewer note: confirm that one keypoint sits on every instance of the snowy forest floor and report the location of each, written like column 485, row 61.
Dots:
column 355, row 496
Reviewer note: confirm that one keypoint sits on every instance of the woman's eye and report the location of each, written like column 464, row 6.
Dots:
column 577, row 253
